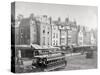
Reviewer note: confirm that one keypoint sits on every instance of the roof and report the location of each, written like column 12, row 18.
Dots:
column 25, row 22
column 72, row 24
column 22, row 47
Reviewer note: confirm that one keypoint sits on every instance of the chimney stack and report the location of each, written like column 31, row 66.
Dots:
column 50, row 20
column 31, row 16
column 67, row 20
column 59, row 19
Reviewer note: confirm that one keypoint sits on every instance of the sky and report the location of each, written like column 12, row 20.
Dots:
column 83, row 15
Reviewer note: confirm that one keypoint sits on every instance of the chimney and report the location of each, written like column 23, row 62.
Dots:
column 67, row 20
column 31, row 16
column 74, row 22
column 44, row 18
column 50, row 20
column 59, row 19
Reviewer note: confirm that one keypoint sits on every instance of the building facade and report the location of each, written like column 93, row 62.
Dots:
column 92, row 38
column 87, row 40
column 85, row 37
column 45, row 31
column 73, row 34
column 80, row 36
column 63, row 34
column 26, row 31
column 55, row 34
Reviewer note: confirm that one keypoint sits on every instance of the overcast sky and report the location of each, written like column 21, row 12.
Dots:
column 84, row 15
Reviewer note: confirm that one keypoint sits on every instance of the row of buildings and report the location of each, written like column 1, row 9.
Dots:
column 46, row 32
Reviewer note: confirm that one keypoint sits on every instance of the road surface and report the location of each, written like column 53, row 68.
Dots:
column 78, row 62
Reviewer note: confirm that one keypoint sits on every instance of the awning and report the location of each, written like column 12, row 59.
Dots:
column 22, row 47
column 36, row 46
column 53, row 47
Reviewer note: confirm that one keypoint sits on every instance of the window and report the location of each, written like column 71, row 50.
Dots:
column 48, row 32
column 62, row 40
column 53, row 35
column 54, row 42
column 80, row 38
column 69, row 32
column 32, row 22
column 21, row 30
column 44, row 27
column 61, row 26
column 53, row 26
column 43, row 31
column 48, row 28
column 62, row 33
column 48, row 41
column 69, row 40
column 43, row 40
column 56, row 35
column 80, row 43
column 34, row 29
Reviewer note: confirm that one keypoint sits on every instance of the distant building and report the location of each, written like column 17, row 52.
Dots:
column 63, row 34
column 80, row 36
column 85, row 37
column 16, row 34
column 33, row 31
column 73, row 34
column 55, row 34
column 87, row 40
column 92, row 38
column 65, row 29
column 95, row 32
column 43, row 31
